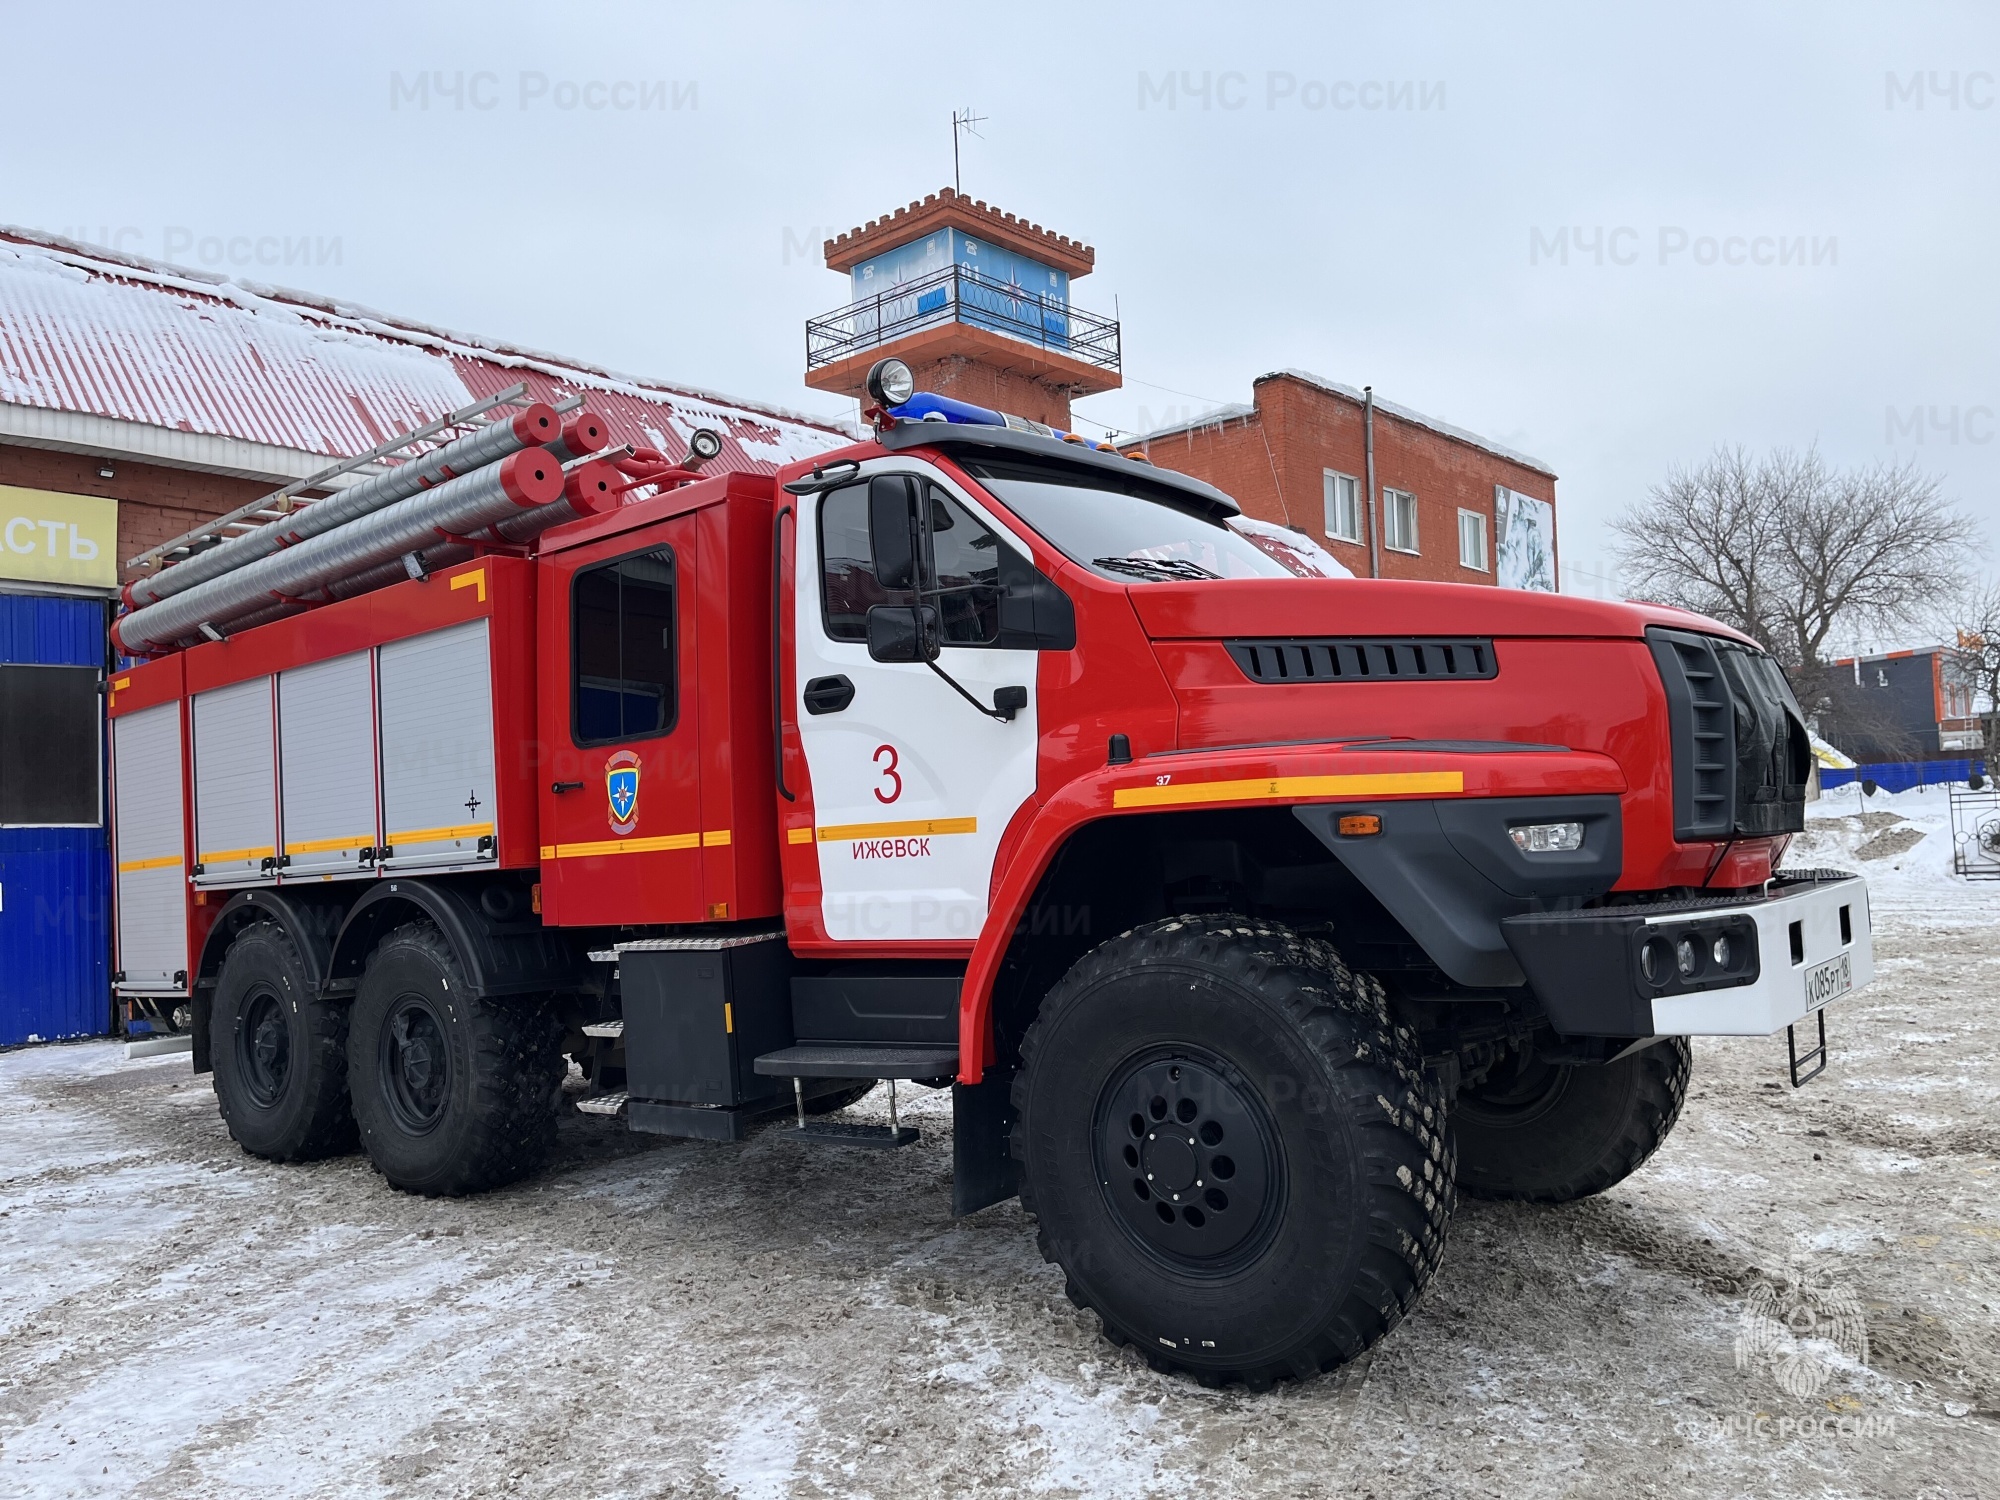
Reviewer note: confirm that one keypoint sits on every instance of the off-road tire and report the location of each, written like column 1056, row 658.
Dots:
column 279, row 1052
column 1551, row 1132
column 1355, row 1138
column 454, row 1093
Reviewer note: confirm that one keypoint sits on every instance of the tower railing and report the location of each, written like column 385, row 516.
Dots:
column 959, row 294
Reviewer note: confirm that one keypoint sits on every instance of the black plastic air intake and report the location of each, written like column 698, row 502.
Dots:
column 1357, row 659
column 1740, row 748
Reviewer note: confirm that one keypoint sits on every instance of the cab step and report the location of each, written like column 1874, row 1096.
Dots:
column 859, row 1060
column 604, row 1104
column 843, row 1133
column 888, row 1137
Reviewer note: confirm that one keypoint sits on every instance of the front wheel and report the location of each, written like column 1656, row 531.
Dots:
column 1232, row 1149
column 454, row 1093
column 1550, row 1132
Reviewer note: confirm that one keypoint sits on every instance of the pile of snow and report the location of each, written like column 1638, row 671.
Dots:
column 1292, row 549
column 1901, row 841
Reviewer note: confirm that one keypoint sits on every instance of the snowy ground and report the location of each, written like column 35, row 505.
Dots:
column 664, row 1318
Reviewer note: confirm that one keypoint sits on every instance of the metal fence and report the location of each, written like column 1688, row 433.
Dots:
column 958, row 294
column 1975, row 832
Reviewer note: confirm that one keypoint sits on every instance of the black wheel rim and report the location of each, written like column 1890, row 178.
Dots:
column 1188, row 1159
column 1517, row 1092
column 415, row 1064
column 264, row 1049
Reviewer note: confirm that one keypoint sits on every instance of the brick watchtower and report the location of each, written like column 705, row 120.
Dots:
column 975, row 301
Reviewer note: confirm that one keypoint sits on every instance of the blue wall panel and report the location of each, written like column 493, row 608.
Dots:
column 55, row 883
column 55, row 934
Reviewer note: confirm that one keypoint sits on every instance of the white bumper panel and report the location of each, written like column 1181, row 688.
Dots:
column 1786, row 989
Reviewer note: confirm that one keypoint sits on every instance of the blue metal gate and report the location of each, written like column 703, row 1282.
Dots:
column 55, row 874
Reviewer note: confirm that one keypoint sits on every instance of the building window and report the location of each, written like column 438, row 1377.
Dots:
column 1343, row 507
column 622, row 631
column 51, row 723
column 1399, row 520
column 1472, row 541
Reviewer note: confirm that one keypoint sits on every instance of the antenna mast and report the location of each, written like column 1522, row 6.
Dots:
column 962, row 120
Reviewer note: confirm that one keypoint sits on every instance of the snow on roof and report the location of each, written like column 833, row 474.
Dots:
column 88, row 330
column 1237, row 411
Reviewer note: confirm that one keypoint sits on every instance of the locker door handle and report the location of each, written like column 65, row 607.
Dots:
column 829, row 695
column 559, row 787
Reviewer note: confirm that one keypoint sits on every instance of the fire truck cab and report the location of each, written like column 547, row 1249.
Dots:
column 1249, row 916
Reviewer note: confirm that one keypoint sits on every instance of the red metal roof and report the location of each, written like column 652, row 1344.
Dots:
column 86, row 330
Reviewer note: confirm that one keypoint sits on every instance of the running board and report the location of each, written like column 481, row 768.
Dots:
column 834, row 1060
column 603, row 1104
column 841, row 1133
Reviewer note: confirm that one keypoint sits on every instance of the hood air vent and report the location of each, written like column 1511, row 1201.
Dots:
column 1366, row 659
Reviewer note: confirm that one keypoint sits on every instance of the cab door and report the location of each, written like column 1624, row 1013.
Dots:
column 620, row 804
column 912, row 785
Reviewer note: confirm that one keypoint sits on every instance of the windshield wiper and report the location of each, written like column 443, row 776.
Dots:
column 1154, row 567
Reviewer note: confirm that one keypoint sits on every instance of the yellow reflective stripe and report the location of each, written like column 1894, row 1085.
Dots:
column 149, row 864
column 1387, row 784
column 224, row 856
column 439, row 835
column 917, row 829
column 798, row 835
column 476, row 578
column 627, row 846
column 548, row 851
column 327, row 846
column 715, row 838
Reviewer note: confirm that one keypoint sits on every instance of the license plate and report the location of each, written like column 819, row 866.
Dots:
column 1828, row 981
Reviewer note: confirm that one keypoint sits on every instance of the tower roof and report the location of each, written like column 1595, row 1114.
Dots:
column 950, row 209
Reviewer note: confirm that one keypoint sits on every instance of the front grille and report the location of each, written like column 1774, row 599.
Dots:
column 1741, row 754
column 1370, row 659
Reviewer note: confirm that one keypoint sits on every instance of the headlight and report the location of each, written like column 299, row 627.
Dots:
column 1547, row 838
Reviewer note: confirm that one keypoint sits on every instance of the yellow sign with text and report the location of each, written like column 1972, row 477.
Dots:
column 47, row 537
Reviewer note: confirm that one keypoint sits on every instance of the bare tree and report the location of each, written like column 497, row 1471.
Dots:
column 1974, row 621
column 1707, row 540
column 1792, row 552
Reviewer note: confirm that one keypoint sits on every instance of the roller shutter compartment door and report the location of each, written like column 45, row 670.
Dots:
column 149, row 845
column 326, row 755
column 235, row 785
column 435, row 697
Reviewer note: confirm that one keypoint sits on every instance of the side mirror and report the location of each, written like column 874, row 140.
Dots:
column 902, row 632
column 892, row 530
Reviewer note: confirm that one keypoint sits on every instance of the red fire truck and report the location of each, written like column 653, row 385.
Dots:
column 1249, row 917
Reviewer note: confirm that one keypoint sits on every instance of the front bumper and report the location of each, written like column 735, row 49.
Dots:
column 1803, row 943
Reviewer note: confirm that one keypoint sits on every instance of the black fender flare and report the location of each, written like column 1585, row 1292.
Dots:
column 310, row 923
column 513, row 954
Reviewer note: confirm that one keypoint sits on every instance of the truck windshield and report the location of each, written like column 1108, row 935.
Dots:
column 1131, row 532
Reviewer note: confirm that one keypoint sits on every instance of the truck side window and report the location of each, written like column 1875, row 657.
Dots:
column 623, row 638
column 848, row 588
column 963, row 570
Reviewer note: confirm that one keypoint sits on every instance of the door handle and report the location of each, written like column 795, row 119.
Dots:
column 559, row 787
column 829, row 695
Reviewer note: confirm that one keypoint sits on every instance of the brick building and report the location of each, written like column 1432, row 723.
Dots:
column 975, row 301
column 1449, row 505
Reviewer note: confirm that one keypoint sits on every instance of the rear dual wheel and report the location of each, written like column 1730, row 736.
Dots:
column 279, row 1052
column 1232, row 1149
column 453, row 1092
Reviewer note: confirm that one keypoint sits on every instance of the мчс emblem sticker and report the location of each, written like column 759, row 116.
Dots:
column 621, row 787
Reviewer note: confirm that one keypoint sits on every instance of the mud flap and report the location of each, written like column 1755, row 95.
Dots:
column 982, row 1171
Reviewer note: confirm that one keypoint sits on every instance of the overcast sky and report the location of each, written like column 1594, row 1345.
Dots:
column 1535, row 241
